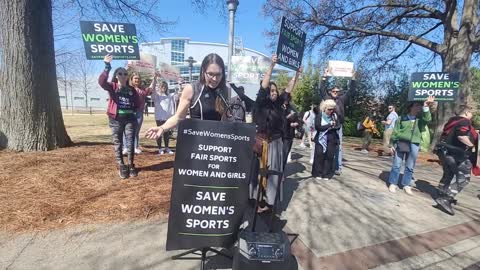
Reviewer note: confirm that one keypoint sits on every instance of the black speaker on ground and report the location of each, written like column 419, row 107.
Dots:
column 263, row 251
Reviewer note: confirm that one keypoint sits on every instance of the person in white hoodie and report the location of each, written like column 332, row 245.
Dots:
column 164, row 109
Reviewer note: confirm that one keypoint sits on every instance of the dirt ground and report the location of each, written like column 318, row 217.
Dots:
column 80, row 184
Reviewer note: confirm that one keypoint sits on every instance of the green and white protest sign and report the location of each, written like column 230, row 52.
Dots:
column 102, row 38
column 249, row 69
column 443, row 85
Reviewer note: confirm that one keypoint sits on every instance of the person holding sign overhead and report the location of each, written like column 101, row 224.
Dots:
column 135, row 81
column 340, row 100
column 270, row 120
column 406, row 140
column 122, row 108
column 204, row 98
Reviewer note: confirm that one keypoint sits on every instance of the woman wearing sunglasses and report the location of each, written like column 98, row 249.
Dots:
column 121, row 114
column 204, row 98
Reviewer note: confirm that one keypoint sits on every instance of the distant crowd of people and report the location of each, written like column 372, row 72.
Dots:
column 278, row 122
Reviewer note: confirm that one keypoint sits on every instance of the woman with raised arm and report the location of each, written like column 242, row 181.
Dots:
column 121, row 114
column 205, row 98
column 270, row 120
column 135, row 81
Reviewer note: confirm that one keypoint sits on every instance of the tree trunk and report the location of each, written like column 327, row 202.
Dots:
column 456, row 58
column 30, row 114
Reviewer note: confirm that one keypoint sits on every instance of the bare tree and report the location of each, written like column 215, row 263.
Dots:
column 85, row 71
column 387, row 30
column 30, row 114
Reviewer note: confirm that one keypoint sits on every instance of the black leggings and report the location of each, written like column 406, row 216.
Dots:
column 166, row 135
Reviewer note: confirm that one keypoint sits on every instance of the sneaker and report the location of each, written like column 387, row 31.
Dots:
column 132, row 171
column 326, row 179
column 364, row 151
column 138, row 151
column 319, row 178
column 446, row 204
column 408, row 190
column 168, row 151
column 338, row 172
column 125, row 151
column 161, row 151
column 392, row 188
column 123, row 171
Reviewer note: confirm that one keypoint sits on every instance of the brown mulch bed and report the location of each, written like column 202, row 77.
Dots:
column 80, row 184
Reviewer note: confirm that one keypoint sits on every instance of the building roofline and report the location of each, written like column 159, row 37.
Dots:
column 162, row 41
column 224, row 45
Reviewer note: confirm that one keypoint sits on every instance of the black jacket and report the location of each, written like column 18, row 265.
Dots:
column 269, row 115
column 340, row 100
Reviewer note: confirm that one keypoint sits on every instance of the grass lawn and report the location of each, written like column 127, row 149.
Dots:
column 94, row 128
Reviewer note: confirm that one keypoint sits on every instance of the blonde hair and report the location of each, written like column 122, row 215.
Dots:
column 327, row 104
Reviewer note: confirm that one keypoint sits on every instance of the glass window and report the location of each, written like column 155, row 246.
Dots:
column 177, row 58
column 94, row 99
column 178, row 46
column 78, row 98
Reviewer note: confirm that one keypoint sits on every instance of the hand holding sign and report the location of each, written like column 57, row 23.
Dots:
column 274, row 59
column 107, row 59
column 430, row 100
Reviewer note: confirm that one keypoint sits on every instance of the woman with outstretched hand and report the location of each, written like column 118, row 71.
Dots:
column 204, row 98
column 121, row 113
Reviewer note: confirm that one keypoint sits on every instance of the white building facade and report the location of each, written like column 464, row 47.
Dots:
column 173, row 51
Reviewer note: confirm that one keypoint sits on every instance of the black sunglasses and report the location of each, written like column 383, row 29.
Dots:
column 122, row 74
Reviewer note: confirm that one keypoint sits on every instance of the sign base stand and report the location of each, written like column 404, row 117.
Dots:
column 202, row 253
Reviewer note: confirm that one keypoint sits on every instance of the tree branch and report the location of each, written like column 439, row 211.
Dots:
column 410, row 38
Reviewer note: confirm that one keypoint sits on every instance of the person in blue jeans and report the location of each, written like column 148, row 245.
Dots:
column 406, row 143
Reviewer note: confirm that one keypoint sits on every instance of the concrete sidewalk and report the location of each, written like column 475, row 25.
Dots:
column 354, row 222
column 351, row 222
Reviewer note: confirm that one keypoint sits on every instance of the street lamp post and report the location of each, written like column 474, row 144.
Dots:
column 232, row 7
column 190, row 62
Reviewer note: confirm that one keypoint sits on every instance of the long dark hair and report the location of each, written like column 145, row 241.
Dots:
column 114, row 78
column 214, row 58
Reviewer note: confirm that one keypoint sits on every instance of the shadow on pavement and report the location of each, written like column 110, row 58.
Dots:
column 426, row 187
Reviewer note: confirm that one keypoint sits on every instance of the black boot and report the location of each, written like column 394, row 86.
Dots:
column 446, row 204
column 123, row 171
column 132, row 171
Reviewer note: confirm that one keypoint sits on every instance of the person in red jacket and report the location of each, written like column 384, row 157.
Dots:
column 121, row 114
column 457, row 151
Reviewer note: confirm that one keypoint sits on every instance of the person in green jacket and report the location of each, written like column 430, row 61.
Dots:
column 406, row 139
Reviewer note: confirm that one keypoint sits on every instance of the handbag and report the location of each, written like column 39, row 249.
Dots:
column 258, row 146
column 403, row 146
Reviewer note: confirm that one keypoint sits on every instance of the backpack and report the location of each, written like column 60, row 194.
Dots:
column 360, row 126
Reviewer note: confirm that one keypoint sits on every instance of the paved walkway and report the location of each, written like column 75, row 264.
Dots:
column 352, row 222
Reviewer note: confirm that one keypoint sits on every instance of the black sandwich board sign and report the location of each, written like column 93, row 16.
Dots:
column 210, row 183
column 291, row 44
column 102, row 38
column 443, row 85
